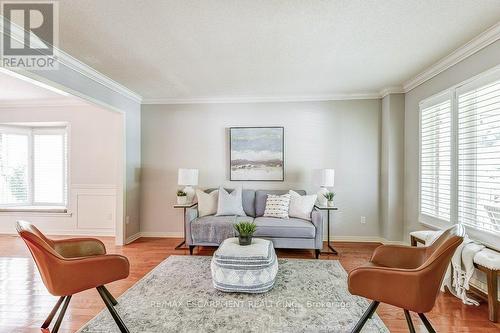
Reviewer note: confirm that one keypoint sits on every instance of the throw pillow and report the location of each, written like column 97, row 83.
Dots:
column 277, row 206
column 301, row 206
column 207, row 202
column 230, row 203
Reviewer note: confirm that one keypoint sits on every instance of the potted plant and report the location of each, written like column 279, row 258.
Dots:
column 245, row 232
column 329, row 197
column 181, row 197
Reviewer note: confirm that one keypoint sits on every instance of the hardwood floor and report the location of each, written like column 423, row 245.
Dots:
column 24, row 301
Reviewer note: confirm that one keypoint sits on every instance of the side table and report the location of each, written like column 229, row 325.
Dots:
column 184, row 207
column 328, row 209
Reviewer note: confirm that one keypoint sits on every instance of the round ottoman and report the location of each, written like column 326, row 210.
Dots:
column 246, row 269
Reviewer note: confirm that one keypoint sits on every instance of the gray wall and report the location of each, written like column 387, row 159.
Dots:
column 344, row 135
column 392, row 166
column 469, row 67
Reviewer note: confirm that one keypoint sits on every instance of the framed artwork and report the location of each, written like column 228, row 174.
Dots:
column 257, row 153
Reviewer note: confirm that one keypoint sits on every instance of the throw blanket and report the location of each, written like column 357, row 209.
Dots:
column 213, row 230
column 461, row 269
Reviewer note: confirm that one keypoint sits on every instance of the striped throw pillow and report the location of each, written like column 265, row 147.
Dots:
column 277, row 206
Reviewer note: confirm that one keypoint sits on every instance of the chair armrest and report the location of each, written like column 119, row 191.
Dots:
column 317, row 220
column 191, row 215
column 79, row 247
column 398, row 256
column 394, row 286
column 78, row 274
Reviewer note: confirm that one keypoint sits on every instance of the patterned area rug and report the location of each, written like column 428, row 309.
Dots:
column 178, row 296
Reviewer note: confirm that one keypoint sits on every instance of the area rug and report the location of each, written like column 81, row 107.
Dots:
column 178, row 296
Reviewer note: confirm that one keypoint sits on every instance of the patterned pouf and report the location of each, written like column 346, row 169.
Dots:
column 246, row 269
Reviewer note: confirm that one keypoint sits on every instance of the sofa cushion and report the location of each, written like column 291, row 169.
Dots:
column 284, row 228
column 261, row 198
column 248, row 197
column 230, row 203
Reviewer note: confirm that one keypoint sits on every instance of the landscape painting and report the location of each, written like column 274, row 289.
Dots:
column 257, row 153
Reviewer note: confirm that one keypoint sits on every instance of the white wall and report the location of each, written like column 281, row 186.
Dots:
column 469, row 67
column 95, row 168
column 344, row 135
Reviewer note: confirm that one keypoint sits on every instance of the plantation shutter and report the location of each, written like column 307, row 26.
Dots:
column 49, row 165
column 479, row 155
column 14, row 166
column 435, row 160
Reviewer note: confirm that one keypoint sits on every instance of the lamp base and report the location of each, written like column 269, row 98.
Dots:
column 321, row 200
column 190, row 193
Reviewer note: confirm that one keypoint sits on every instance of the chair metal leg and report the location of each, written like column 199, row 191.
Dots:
column 55, row 329
column 408, row 320
column 112, row 310
column 427, row 323
column 367, row 315
column 111, row 298
column 52, row 313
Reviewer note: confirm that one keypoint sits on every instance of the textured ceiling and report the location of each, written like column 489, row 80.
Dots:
column 188, row 49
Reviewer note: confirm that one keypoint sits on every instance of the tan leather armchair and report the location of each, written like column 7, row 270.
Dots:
column 69, row 266
column 404, row 276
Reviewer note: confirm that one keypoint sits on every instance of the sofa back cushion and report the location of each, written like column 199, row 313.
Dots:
column 261, row 198
column 248, row 200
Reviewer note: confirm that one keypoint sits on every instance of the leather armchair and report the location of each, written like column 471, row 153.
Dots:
column 406, row 277
column 69, row 266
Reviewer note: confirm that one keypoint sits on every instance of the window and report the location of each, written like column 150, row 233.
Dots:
column 460, row 155
column 33, row 166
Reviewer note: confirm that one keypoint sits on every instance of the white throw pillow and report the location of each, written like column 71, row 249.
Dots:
column 207, row 202
column 277, row 206
column 230, row 203
column 301, row 206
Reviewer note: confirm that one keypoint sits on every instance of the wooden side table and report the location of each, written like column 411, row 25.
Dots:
column 182, row 245
column 328, row 209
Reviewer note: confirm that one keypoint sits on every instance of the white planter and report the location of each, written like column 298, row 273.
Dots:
column 182, row 200
column 329, row 203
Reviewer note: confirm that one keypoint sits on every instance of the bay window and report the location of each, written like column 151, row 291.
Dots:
column 460, row 155
column 33, row 166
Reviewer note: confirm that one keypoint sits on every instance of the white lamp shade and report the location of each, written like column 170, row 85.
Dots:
column 188, row 177
column 324, row 177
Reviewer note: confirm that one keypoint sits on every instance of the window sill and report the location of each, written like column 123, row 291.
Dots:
column 35, row 210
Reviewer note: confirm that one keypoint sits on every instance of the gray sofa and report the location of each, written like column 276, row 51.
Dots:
column 292, row 233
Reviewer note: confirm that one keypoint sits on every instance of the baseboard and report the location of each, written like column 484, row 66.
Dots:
column 132, row 238
column 161, row 234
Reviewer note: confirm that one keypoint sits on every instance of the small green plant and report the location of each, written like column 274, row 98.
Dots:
column 181, row 193
column 245, row 228
column 329, row 196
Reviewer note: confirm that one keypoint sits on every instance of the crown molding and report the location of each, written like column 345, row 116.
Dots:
column 63, row 58
column 391, row 90
column 476, row 44
column 260, row 99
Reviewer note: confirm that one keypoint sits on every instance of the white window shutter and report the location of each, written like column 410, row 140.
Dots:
column 435, row 161
column 479, row 156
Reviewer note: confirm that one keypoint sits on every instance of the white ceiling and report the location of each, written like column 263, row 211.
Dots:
column 15, row 89
column 187, row 49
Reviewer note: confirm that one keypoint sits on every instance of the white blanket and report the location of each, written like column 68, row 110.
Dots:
column 461, row 269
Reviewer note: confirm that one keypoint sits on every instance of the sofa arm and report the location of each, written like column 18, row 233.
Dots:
column 191, row 215
column 317, row 220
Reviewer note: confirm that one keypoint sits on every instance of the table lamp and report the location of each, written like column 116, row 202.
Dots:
column 324, row 178
column 188, row 178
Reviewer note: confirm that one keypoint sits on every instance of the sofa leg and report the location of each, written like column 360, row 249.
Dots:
column 191, row 249
column 317, row 252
